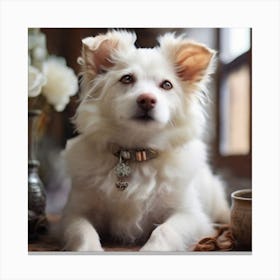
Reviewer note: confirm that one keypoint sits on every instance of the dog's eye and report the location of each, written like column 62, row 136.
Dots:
column 127, row 79
column 166, row 85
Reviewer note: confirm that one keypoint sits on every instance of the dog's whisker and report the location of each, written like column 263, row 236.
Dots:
column 171, row 122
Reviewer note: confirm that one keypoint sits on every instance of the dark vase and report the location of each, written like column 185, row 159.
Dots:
column 37, row 221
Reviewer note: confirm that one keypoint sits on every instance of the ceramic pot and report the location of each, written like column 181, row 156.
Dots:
column 241, row 218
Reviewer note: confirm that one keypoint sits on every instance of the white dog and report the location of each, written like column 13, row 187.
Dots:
column 139, row 169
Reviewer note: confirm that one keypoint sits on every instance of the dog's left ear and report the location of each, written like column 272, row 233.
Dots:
column 193, row 61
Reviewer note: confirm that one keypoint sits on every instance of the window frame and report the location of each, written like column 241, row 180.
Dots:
column 240, row 165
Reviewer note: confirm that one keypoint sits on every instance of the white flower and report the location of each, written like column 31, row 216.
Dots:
column 35, row 81
column 39, row 53
column 61, row 82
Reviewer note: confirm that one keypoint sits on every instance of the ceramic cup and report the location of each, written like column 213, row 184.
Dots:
column 241, row 218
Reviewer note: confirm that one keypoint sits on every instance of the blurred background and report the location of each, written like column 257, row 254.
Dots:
column 229, row 106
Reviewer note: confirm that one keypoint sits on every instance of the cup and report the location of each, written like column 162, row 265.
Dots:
column 241, row 218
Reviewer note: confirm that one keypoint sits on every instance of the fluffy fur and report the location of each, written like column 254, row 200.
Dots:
column 171, row 200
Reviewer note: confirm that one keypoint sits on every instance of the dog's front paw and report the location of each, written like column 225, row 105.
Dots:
column 79, row 235
column 93, row 247
column 164, row 238
column 152, row 247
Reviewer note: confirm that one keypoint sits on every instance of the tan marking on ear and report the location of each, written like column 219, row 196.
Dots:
column 192, row 61
column 99, row 58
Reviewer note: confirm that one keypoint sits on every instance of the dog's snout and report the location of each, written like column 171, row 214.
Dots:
column 146, row 101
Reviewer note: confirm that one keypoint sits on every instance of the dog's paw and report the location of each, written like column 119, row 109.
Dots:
column 164, row 239
column 153, row 247
column 85, row 248
column 79, row 235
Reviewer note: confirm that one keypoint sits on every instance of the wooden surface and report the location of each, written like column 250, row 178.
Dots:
column 222, row 241
column 48, row 245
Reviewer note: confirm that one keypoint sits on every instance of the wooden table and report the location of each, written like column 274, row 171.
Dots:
column 223, row 241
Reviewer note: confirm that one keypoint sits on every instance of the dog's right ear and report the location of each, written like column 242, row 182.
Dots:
column 98, row 52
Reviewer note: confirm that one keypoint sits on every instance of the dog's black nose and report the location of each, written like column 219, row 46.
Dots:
column 146, row 101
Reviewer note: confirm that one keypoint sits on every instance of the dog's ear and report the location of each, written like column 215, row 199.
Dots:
column 98, row 52
column 193, row 61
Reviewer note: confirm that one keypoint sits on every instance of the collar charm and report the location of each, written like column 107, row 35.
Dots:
column 123, row 170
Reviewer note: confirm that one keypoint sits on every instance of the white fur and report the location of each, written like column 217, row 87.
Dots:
column 171, row 200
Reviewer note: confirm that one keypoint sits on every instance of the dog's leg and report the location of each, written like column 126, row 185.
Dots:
column 220, row 211
column 80, row 235
column 179, row 232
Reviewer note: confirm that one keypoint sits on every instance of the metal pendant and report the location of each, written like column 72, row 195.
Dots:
column 122, row 170
column 121, row 185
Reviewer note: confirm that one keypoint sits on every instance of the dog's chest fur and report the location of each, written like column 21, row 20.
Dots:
column 130, row 214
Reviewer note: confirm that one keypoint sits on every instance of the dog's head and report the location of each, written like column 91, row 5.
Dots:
column 139, row 96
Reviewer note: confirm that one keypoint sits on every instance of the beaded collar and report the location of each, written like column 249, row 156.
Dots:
column 125, row 156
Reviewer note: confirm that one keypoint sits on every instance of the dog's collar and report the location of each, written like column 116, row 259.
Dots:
column 137, row 155
column 125, row 155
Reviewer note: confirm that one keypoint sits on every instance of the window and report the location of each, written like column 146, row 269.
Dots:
column 235, row 91
column 234, row 100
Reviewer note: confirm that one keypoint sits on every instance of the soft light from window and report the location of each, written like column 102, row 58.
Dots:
column 234, row 42
column 235, row 108
column 236, row 113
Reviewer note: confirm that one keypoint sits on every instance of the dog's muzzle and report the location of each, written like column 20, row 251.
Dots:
column 146, row 102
